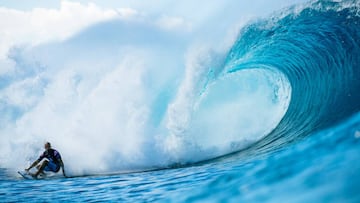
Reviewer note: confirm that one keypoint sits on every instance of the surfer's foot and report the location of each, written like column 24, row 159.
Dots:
column 33, row 175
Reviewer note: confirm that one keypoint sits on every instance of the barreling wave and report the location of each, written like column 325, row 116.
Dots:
column 284, row 78
column 317, row 47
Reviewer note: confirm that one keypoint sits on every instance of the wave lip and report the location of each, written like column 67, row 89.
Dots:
column 317, row 47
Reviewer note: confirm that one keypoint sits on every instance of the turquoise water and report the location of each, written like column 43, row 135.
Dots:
column 320, row 168
column 272, row 117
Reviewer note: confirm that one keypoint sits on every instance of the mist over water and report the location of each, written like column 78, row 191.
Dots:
column 132, row 95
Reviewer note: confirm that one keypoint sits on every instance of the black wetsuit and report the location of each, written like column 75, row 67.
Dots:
column 54, row 158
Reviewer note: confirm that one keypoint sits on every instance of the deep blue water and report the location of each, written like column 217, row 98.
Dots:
column 313, row 153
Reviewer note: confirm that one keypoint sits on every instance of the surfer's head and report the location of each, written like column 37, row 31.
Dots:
column 47, row 145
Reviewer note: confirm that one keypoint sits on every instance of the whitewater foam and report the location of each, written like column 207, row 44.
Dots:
column 149, row 104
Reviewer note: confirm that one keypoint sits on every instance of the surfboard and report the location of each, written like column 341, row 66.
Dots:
column 44, row 175
column 26, row 175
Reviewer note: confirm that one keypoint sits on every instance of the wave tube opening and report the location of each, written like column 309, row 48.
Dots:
column 236, row 110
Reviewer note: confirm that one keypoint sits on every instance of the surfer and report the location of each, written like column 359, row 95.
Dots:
column 52, row 162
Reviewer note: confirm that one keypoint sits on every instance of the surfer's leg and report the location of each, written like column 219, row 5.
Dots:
column 41, row 168
column 38, row 168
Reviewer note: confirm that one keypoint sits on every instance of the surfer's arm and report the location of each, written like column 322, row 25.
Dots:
column 32, row 165
column 62, row 167
column 36, row 162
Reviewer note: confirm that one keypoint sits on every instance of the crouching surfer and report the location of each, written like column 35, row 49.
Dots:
column 52, row 162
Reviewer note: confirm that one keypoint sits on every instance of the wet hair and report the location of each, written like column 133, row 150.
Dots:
column 48, row 143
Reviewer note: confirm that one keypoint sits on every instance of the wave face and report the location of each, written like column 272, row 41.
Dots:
column 317, row 47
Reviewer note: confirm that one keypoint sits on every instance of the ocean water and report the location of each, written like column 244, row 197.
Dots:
column 270, row 114
column 320, row 168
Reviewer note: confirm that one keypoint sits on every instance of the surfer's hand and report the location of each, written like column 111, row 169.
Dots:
column 64, row 173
